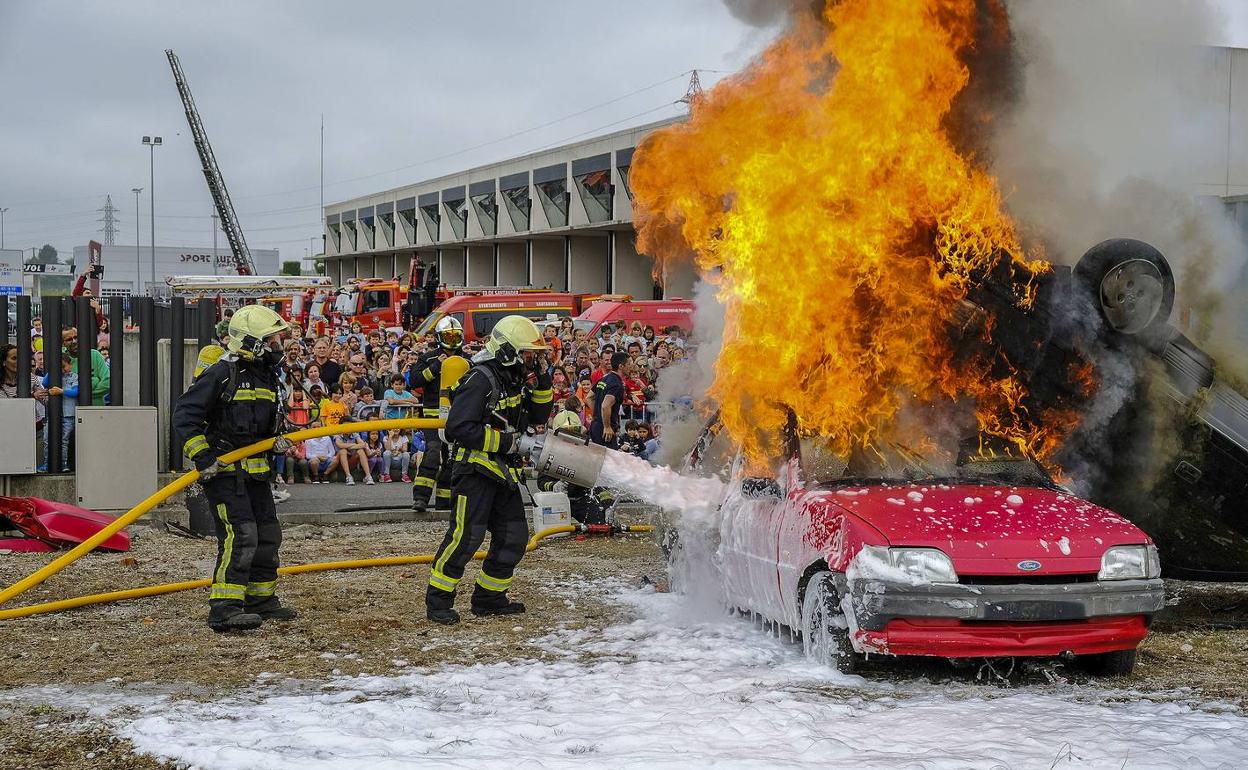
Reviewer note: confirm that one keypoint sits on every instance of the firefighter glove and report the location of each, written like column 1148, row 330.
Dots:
column 509, row 442
column 208, row 468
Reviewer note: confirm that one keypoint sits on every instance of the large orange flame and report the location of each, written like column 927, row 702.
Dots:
column 821, row 191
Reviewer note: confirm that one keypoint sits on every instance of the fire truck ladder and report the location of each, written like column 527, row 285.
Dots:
column 212, row 173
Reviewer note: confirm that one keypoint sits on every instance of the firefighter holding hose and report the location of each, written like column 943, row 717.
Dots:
column 507, row 389
column 235, row 402
column 433, row 477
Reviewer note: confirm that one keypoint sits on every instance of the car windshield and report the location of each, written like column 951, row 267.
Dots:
column 970, row 461
column 584, row 324
column 429, row 322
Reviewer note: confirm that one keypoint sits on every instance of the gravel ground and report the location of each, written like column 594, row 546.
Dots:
column 371, row 621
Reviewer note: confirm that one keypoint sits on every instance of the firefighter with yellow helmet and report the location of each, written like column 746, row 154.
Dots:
column 432, row 482
column 234, row 402
column 507, row 389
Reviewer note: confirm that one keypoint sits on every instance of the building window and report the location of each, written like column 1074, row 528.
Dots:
column 519, row 207
column 486, row 206
column 385, row 225
column 596, row 191
column 367, row 226
column 335, row 235
column 348, row 227
column 407, row 217
column 554, row 197
column 431, row 217
column 457, row 215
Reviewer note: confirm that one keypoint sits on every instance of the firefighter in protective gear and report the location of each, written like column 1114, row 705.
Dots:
column 507, row 389
column 235, row 402
column 433, row 477
column 589, row 506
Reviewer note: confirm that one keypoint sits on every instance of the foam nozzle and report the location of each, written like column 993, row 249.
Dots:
column 567, row 457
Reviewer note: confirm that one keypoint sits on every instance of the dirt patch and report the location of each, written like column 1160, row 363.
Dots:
column 42, row 737
column 351, row 621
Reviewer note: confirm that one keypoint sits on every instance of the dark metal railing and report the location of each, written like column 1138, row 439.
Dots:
column 153, row 322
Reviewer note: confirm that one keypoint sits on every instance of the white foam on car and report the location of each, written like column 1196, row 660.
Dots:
column 660, row 690
column 693, row 496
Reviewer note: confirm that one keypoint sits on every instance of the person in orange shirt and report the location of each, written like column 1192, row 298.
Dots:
column 551, row 335
column 333, row 411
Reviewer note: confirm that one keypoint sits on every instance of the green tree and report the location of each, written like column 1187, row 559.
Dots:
column 289, row 268
column 46, row 255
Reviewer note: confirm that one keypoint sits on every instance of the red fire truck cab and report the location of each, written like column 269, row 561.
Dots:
column 478, row 311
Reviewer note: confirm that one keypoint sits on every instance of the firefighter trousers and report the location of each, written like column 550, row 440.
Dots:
column 432, row 482
column 479, row 505
column 248, row 539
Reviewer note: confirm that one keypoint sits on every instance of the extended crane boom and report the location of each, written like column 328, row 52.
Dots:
column 212, row 173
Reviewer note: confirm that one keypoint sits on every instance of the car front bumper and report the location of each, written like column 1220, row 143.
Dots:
column 969, row 620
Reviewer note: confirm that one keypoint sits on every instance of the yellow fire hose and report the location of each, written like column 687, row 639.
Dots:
column 184, row 481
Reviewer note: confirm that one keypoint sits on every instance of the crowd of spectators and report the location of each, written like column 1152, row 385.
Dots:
column 65, row 357
column 356, row 376
column 352, row 375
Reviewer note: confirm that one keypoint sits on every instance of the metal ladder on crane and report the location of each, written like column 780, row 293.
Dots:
column 212, row 173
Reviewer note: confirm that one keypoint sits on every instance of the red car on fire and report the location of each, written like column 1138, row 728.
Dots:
column 955, row 555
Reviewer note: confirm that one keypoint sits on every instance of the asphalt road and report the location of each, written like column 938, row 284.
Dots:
column 326, row 498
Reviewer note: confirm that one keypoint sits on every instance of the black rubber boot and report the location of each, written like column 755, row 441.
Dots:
column 226, row 621
column 447, row 617
column 495, row 604
column 273, row 609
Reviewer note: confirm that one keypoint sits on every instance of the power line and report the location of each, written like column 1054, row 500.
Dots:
column 425, row 161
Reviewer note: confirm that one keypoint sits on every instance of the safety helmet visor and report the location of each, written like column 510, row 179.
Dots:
column 450, row 338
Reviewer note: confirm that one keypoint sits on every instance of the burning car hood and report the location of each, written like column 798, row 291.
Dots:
column 988, row 529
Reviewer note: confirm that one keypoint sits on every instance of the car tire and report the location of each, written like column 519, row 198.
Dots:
column 1129, row 283
column 1117, row 663
column 825, row 634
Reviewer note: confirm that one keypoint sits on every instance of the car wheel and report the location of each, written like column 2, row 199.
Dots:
column 825, row 634
column 1117, row 663
column 1130, row 283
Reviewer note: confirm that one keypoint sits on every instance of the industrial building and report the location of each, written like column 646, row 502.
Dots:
column 560, row 218
column 128, row 272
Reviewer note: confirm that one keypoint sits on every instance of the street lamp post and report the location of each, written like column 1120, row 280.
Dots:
column 138, row 260
column 152, row 142
column 2, row 226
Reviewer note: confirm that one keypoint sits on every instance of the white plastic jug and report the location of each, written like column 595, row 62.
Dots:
column 550, row 509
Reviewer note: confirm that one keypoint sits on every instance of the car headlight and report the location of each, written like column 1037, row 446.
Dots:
column 905, row 565
column 1130, row 562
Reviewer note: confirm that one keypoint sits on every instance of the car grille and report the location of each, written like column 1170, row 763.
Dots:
column 1035, row 580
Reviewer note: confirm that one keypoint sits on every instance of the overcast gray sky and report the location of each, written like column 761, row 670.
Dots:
column 399, row 83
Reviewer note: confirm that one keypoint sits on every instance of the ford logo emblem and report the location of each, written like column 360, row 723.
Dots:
column 1029, row 565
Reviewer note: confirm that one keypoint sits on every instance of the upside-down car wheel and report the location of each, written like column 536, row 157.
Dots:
column 825, row 633
column 1130, row 284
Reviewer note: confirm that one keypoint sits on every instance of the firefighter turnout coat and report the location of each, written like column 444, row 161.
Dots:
column 490, row 405
column 231, row 404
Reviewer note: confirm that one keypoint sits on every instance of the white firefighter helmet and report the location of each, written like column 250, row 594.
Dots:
column 449, row 332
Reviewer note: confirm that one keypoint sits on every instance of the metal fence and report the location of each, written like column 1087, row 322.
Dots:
column 173, row 321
